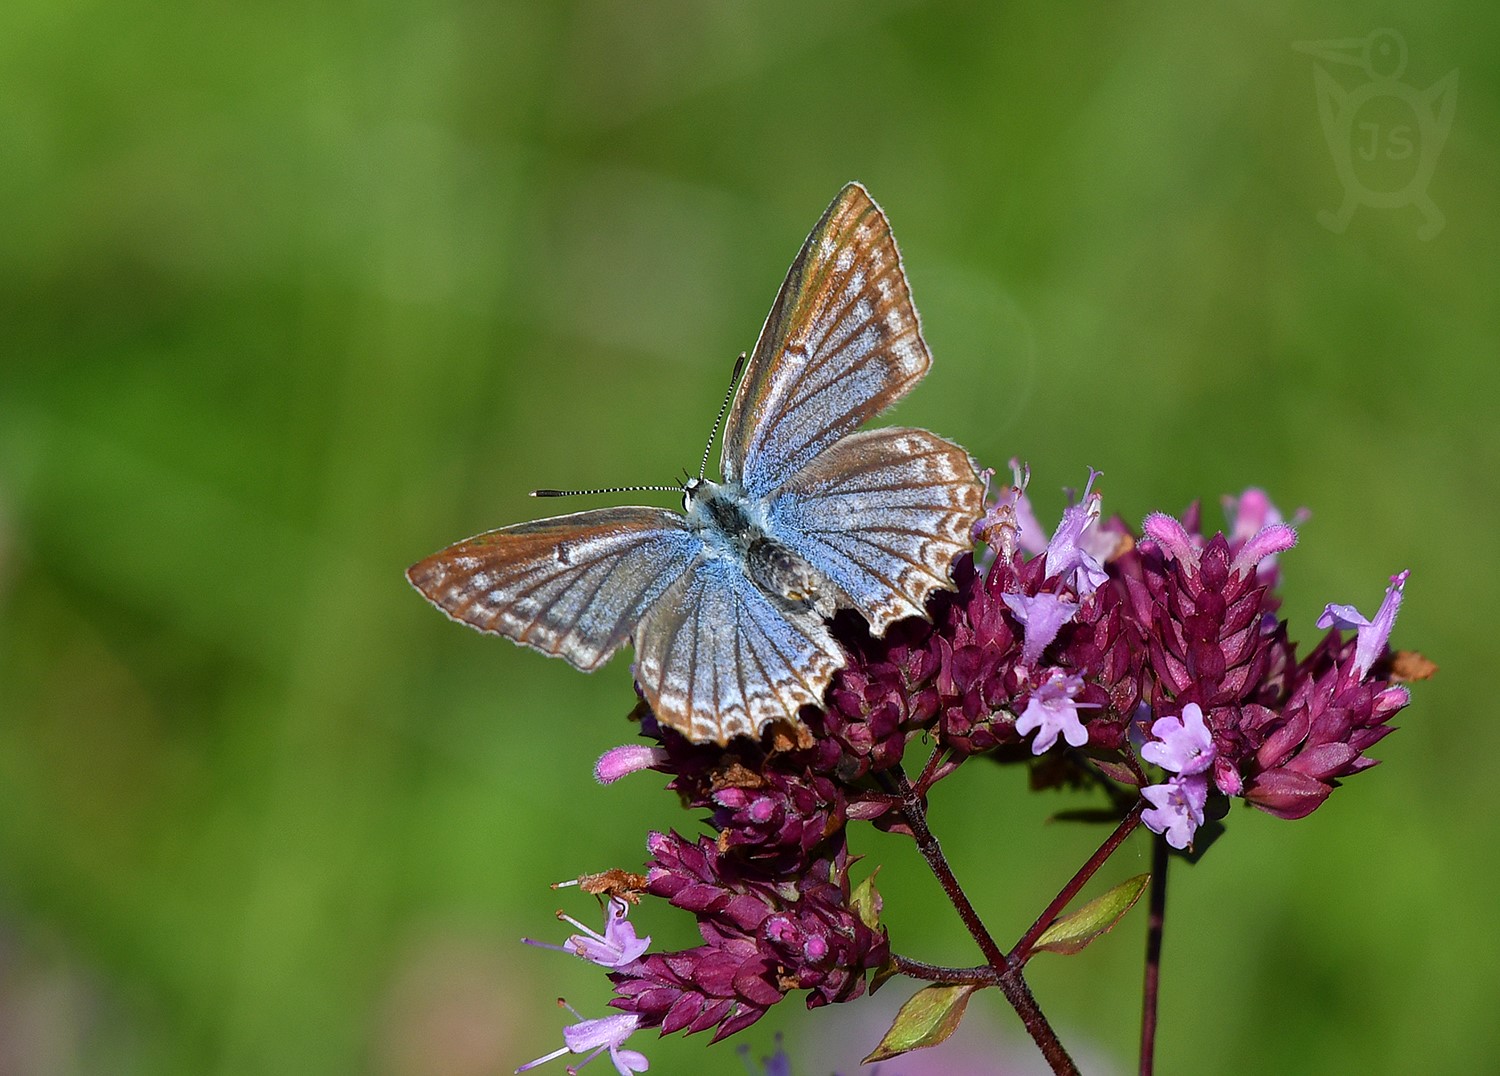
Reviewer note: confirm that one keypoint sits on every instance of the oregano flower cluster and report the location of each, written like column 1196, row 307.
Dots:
column 1149, row 665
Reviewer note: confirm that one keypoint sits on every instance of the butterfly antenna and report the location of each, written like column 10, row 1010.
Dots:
column 609, row 489
column 739, row 367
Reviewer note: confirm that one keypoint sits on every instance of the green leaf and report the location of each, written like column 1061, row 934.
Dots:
column 883, row 974
column 867, row 902
column 928, row 1017
column 1071, row 933
column 1117, row 771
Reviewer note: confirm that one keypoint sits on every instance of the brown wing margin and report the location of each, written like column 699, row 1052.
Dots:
column 571, row 586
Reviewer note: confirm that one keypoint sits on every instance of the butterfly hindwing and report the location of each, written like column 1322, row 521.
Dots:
column 882, row 514
column 573, row 586
column 842, row 343
column 716, row 657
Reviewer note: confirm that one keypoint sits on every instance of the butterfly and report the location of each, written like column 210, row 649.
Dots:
column 726, row 603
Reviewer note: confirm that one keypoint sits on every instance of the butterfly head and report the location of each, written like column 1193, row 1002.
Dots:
column 694, row 489
column 717, row 507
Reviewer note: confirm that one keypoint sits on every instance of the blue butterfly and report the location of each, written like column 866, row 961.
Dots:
column 726, row 603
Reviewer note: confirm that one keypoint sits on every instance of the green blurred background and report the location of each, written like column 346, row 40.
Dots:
column 294, row 294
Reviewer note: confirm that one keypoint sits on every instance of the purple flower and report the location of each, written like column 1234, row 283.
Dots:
column 1052, row 711
column 1176, row 807
column 1069, row 554
column 594, row 1037
column 1251, row 513
column 626, row 759
column 1042, row 616
column 615, row 948
column 1183, row 744
column 1372, row 634
column 1172, row 537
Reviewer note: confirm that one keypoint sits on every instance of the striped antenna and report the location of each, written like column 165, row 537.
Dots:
column 739, row 367
column 608, row 489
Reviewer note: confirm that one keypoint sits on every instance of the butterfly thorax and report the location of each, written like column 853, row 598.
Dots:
column 731, row 525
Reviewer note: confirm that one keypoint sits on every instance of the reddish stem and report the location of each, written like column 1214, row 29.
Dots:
column 1007, row 974
column 1022, row 950
column 1154, row 927
column 937, row 973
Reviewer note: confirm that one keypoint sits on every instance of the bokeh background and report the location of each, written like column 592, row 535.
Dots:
column 294, row 294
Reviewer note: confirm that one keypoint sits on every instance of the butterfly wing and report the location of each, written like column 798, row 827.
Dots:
column 573, row 586
column 842, row 343
column 716, row 657
column 882, row 514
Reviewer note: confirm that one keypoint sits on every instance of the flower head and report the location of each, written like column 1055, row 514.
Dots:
column 765, row 932
column 1180, row 624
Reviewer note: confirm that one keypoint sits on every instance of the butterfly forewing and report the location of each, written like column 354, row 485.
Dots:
column 842, row 343
column 883, row 513
column 572, row 586
column 716, row 658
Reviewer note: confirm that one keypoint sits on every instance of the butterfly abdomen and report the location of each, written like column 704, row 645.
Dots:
column 720, row 515
column 787, row 577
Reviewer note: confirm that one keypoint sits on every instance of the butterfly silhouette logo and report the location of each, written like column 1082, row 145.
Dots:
column 726, row 603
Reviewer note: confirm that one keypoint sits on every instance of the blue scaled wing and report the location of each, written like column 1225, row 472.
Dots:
column 717, row 657
column 572, row 586
column 842, row 343
column 882, row 514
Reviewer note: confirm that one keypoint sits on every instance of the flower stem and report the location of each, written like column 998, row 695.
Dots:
column 916, row 817
column 936, row 973
column 1007, row 974
column 1022, row 950
column 1155, row 924
column 930, row 772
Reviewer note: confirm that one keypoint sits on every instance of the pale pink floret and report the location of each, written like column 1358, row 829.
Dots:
column 594, row 1037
